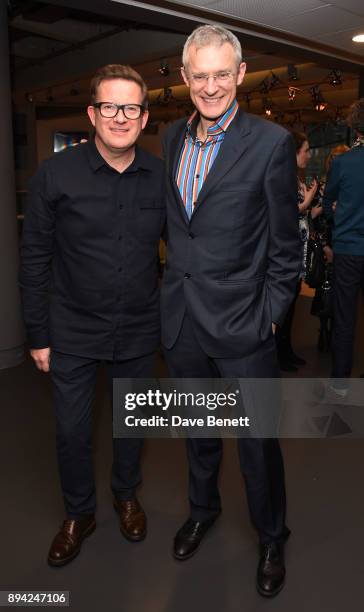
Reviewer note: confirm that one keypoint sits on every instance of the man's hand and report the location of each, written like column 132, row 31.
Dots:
column 41, row 358
column 274, row 328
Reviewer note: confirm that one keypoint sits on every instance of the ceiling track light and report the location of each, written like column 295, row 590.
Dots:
column 335, row 78
column 267, row 106
column 318, row 100
column 164, row 68
column 292, row 72
column 274, row 81
column 292, row 92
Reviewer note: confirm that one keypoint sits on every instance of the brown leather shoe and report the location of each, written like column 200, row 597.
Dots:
column 133, row 522
column 67, row 543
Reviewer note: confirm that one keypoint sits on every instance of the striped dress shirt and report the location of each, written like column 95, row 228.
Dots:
column 197, row 157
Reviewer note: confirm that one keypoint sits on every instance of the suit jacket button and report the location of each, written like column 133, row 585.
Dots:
column 187, row 275
column 191, row 236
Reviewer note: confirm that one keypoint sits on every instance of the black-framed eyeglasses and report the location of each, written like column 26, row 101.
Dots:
column 109, row 109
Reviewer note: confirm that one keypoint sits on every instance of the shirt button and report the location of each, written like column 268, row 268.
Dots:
column 187, row 275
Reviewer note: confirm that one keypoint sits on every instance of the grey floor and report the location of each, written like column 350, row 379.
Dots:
column 325, row 561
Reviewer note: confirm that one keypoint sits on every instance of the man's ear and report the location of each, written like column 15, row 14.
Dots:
column 241, row 73
column 184, row 76
column 91, row 114
column 145, row 118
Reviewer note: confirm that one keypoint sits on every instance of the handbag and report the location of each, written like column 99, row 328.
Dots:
column 322, row 301
column 315, row 264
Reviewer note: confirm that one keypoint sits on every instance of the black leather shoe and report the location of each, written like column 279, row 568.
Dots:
column 189, row 537
column 271, row 571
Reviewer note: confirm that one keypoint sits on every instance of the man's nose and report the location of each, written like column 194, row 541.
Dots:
column 211, row 85
column 120, row 117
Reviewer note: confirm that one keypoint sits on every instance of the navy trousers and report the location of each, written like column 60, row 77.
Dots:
column 260, row 459
column 73, row 386
column 348, row 278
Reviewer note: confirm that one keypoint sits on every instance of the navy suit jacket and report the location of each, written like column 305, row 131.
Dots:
column 235, row 265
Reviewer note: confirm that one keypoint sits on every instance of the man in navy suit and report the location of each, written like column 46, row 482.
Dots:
column 232, row 265
column 345, row 186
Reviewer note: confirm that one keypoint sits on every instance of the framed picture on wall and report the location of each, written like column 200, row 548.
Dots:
column 63, row 140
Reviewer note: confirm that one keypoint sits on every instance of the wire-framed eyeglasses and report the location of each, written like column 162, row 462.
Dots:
column 219, row 77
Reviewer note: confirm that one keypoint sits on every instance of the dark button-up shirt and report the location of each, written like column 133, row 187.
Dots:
column 89, row 273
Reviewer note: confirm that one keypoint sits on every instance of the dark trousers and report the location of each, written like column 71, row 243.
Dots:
column 260, row 459
column 348, row 278
column 73, row 386
column 284, row 331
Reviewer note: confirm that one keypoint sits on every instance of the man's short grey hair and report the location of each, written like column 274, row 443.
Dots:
column 211, row 35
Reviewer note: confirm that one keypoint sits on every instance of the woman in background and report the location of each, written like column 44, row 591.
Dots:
column 288, row 360
column 321, row 307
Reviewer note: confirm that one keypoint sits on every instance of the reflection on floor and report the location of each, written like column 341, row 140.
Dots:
column 325, row 513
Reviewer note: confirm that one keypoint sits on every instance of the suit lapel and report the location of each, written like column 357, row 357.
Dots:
column 175, row 150
column 233, row 147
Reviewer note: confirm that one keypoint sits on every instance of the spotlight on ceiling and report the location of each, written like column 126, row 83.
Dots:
column 292, row 92
column 319, row 102
column 164, row 68
column 335, row 78
column 359, row 38
column 292, row 73
column 267, row 106
column 274, row 81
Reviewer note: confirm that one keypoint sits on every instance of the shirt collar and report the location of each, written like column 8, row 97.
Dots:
column 221, row 124
column 142, row 160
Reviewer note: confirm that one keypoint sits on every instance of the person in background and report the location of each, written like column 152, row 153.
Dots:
column 288, row 359
column 321, row 303
column 89, row 281
column 345, row 187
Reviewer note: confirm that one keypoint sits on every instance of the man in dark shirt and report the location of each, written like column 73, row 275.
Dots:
column 89, row 280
